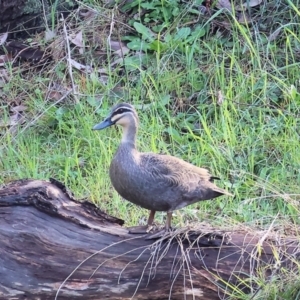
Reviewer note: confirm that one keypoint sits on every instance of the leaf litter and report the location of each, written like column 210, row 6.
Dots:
column 89, row 42
column 84, row 27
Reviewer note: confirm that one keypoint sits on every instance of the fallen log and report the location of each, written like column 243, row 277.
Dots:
column 55, row 247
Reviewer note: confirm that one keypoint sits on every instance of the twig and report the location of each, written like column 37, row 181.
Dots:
column 69, row 60
column 112, row 25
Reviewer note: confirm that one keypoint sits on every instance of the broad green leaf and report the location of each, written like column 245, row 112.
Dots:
column 164, row 100
column 183, row 33
column 196, row 34
column 148, row 5
column 168, row 37
column 92, row 101
column 142, row 29
column 157, row 46
column 174, row 133
column 138, row 44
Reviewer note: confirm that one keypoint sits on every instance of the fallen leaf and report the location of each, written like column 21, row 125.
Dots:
column 3, row 38
column 274, row 35
column 220, row 97
column 252, row 3
column 12, row 120
column 244, row 18
column 49, row 35
column 88, row 13
column 2, row 84
column 116, row 45
column 24, row 51
column 57, row 91
column 102, row 71
column 4, row 59
column 4, row 77
column 18, row 108
column 81, row 162
column 224, row 4
column 54, row 95
column 122, row 51
column 57, row 48
column 78, row 41
column 119, row 48
column 117, row 61
column 81, row 67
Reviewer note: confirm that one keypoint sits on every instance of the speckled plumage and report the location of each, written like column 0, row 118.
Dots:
column 154, row 181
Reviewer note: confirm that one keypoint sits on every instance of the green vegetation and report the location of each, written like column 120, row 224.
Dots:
column 216, row 92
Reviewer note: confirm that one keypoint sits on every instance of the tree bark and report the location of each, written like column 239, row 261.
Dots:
column 52, row 244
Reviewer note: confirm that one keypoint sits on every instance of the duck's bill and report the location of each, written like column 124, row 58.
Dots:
column 104, row 124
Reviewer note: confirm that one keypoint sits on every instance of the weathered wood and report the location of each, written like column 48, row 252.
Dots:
column 52, row 244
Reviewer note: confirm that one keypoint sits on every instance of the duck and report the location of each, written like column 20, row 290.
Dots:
column 156, row 182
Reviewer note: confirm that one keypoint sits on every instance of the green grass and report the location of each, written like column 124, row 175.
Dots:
column 250, row 140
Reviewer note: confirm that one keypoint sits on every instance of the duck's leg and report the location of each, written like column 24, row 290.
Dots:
column 168, row 221
column 145, row 228
column 165, row 232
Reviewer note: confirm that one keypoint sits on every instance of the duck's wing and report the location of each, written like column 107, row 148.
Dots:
column 183, row 182
column 172, row 170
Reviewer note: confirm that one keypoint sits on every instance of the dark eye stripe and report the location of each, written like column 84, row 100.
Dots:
column 121, row 110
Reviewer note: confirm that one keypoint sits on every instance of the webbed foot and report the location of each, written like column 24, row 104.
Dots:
column 140, row 229
column 144, row 228
column 165, row 233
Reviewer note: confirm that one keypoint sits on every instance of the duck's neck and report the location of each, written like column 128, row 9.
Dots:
column 129, row 135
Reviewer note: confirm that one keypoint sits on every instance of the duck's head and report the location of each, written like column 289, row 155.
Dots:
column 122, row 114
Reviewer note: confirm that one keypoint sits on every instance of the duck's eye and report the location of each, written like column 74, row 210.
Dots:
column 121, row 110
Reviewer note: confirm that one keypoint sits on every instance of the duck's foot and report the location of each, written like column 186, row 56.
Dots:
column 140, row 229
column 165, row 233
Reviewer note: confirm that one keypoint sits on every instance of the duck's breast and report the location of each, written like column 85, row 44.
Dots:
column 137, row 186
